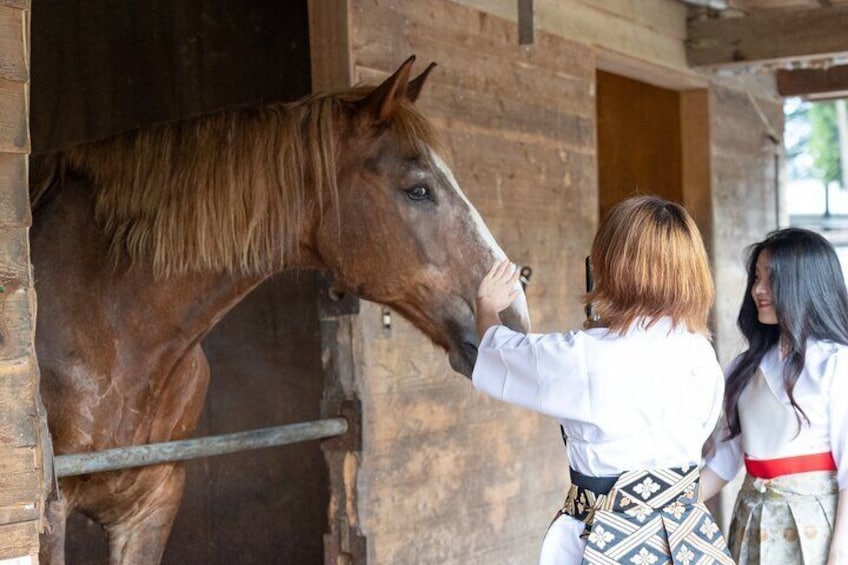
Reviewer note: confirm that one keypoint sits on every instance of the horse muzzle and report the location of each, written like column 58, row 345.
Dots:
column 463, row 353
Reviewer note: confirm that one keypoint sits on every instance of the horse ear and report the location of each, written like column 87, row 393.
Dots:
column 415, row 85
column 382, row 101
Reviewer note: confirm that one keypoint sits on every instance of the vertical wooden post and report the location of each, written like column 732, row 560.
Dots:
column 22, row 494
column 695, row 156
column 525, row 22
column 332, row 68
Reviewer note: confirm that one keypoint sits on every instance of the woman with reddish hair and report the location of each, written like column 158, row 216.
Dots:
column 636, row 394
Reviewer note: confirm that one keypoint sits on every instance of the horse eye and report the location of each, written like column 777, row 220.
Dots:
column 419, row 192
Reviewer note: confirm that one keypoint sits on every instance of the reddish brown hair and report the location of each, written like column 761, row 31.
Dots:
column 648, row 260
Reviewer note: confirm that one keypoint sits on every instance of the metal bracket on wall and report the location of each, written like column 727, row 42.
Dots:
column 351, row 440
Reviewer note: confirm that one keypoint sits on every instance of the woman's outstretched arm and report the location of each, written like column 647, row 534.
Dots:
column 711, row 483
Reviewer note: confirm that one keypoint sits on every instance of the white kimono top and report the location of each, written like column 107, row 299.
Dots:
column 769, row 427
column 644, row 399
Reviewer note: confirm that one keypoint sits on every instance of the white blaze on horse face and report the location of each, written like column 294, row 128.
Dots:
column 482, row 228
column 519, row 308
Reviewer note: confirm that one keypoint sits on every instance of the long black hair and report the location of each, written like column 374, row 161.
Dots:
column 809, row 296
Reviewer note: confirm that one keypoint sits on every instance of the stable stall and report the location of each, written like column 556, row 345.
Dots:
column 550, row 111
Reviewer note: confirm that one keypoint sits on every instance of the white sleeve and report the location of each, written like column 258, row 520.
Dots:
column 543, row 372
column 838, row 415
column 718, row 402
column 727, row 459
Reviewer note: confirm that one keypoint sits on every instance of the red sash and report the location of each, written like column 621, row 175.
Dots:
column 771, row 468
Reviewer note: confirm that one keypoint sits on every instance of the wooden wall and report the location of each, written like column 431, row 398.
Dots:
column 447, row 475
column 746, row 191
column 129, row 64
column 21, row 497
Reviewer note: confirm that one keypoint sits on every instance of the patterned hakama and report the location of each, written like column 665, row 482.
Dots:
column 788, row 519
column 648, row 518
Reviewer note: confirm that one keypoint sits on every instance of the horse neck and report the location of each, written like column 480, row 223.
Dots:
column 77, row 280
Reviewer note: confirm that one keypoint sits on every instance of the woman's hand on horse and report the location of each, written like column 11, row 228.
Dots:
column 499, row 288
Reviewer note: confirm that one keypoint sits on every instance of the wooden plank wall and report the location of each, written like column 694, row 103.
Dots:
column 21, row 497
column 746, row 193
column 447, row 475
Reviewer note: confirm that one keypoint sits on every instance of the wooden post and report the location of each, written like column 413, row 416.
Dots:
column 344, row 544
column 22, row 493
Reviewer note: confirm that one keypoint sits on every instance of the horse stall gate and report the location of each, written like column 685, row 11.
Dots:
column 130, row 64
column 440, row 473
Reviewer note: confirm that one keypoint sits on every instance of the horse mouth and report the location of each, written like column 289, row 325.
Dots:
column 462, row 358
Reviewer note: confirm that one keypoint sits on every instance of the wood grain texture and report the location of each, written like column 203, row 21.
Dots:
column 806, row 82
column 14, row 192
column 477, row 480
column 764, row 36
column 18, row 539
column 14, row 130
column 745, row 197
column 13, row 55
column 21, row 479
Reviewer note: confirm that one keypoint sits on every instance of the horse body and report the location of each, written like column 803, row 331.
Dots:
column 125, row 297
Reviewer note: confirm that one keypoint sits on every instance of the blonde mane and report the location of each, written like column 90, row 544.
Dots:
column 230, row 191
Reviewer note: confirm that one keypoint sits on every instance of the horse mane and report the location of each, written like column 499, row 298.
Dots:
column 229, row 191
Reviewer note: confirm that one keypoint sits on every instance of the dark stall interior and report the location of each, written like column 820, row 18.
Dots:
column 100, row 67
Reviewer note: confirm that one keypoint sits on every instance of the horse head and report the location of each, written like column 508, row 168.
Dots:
column 403, row 233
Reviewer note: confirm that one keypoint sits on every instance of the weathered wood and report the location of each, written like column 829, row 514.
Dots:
column 814, row 83
column 329, row 43
column 20, row 488
column 14, row 133
column 17, row 420
column 21, row 480
column 13, row 59
column 768, row 36
column 14, row 200
column 19, row 512
column 696, row 180
column 127, row 64
column 18, row 539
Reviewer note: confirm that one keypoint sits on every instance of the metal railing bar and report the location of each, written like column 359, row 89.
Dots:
column 167, row 452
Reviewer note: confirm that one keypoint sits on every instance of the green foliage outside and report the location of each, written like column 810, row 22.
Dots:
column 812, row 141
column 824, row 143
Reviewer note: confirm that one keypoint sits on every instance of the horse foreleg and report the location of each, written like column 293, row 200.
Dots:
column 139, row 536
column 51, row 549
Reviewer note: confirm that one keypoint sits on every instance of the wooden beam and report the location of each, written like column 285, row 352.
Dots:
column 330, row 44
column 768, row 36
column 525, row 22
column 813, row 83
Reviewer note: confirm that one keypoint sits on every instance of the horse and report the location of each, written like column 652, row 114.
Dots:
column 143, row 241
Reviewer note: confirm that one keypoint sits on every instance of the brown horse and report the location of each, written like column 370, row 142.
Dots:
column 142, row 242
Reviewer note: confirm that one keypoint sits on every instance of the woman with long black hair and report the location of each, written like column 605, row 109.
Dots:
column 786, row 407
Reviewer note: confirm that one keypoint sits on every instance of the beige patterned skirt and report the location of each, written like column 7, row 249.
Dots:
column 784, row 520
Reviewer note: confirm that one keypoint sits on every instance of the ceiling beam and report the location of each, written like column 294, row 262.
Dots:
column 814, row 83
column 767, row 36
